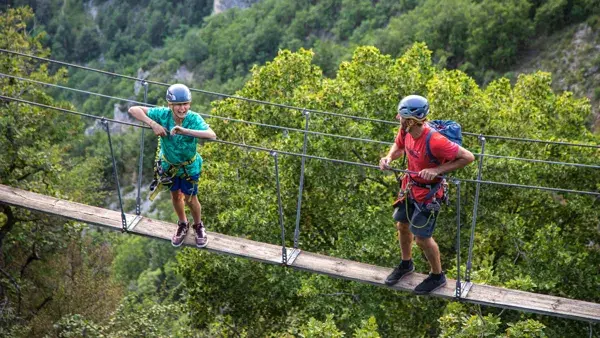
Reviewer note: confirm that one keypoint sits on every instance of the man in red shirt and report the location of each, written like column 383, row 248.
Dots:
column 418, row 205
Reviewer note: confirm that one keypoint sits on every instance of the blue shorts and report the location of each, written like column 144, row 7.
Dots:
column 187, row 188
column 422, row 222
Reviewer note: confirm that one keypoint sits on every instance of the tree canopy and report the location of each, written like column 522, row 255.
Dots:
column 530, row 240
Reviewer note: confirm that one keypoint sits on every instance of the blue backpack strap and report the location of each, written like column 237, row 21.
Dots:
column 428, row 148
column 432, row 158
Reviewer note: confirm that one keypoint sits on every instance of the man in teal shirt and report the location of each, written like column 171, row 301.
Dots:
column 179, row 129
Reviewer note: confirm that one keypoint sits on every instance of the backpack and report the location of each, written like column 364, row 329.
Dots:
column 450, row 129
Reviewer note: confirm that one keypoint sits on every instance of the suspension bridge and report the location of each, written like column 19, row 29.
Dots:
column 294, row 257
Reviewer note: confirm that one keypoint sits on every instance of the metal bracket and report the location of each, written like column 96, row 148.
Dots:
column 292, row 254
column 132, row 223
column 464, row 289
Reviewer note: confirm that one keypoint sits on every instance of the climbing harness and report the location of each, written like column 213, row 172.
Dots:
column 164, row 178
column 433, row 205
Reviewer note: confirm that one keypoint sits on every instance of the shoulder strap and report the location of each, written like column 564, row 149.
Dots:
column 428, row 148
column 403, row 133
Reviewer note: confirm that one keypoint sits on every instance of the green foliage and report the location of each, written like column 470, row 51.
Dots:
column 550, row 16
column 495, row 43
column 526, row 329
column 48, row 267
column 526, row 239
column 315, row 328
column 456, row 323
column 257, row 307
column 368, row 330
column 87, row 45
column 443, row 25
column 136, row 255
column 77, row 326
column 343, row 211
column 131, row 319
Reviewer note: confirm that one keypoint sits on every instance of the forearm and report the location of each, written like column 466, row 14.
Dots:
column 463, row 158
column 141, row 114
column 395, row 152
column 453, row 165
column 204, row 134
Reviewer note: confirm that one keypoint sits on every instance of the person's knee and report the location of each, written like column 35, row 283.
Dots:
column 423, row 242
column 403, row 229
column 191, row 200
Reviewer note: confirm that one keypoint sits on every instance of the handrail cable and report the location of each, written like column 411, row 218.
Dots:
column 138, row 200
column 474, row 219
column 116, row 174
column 202, row 114
column 280, row 105
column 284, row 258
column 514, row 185
column 521, row 139
column 294, row 129
column 458, row 287
column 507, row 138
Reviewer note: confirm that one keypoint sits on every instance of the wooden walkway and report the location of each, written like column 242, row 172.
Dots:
column 335, row 267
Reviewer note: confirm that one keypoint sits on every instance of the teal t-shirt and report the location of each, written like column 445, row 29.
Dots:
column 179, row 148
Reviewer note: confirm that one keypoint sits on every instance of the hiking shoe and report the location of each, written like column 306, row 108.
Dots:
column 430, row 284
column 399, row 272
column 182, row 229
column 201, row 237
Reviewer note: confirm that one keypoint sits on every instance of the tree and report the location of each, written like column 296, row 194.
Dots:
column 46, row 266
column 497, row 31
column 88, row 44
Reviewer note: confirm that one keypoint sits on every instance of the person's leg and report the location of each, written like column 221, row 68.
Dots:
column 405, row 238
column 195, row 207
column 201, row 237
column 191, row 199
column 432, row 252
column 423, row 224
column 179, row 205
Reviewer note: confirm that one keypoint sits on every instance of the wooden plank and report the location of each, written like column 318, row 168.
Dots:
column 365, row 273
column 332, row 266
column 218, row 243
column 479, row 294
column 534, row 302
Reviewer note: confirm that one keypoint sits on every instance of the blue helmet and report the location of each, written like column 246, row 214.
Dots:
column 413, row 107
column 178, row 93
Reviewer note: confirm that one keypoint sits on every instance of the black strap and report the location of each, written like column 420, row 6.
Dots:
column 432, row 158
column 433, row 188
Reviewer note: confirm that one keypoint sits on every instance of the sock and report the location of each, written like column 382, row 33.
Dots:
column 405, row 264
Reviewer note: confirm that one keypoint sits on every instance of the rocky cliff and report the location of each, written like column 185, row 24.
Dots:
column 222, row 5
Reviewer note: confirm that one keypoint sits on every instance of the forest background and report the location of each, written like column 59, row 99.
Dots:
column 477, row 61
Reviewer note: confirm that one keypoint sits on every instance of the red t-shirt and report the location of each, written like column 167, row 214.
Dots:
column 441, row 148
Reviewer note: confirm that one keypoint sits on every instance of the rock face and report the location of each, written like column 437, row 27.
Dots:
column 137, row 85
column 184, row 75
column 222, row 5
column 571, row 56
column 119, row 114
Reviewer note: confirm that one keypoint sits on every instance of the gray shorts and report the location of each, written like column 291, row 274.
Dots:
column 422, row 222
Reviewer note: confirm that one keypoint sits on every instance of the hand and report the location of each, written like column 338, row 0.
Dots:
column 177, row 130
column 429, row 174
column 158, row 129
column 384, row 163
